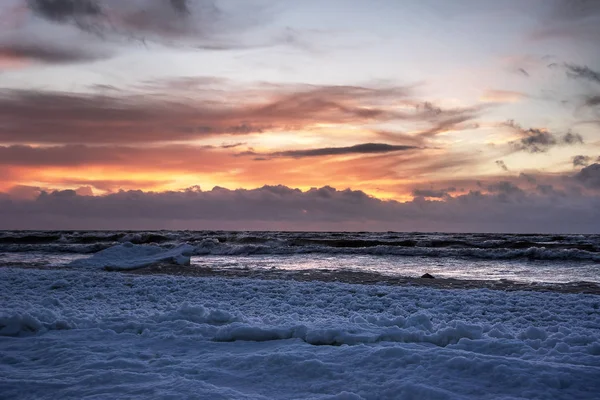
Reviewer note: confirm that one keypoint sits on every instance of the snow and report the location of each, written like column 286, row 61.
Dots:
column 128, row 256
column 74, row 334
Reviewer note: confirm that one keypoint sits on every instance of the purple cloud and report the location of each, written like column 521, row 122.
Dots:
column 506, row 208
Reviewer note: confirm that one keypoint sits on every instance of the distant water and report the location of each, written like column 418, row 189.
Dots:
column 542, row 258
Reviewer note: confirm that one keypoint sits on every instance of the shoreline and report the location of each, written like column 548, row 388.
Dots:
column 349, row 277
column 369, row 278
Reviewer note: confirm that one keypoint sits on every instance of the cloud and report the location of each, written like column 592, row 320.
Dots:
column 432, row 193
column 61, row 31
column 364, row 148
column 570, row 19
column 27, row 52
column 24, row 192
column 281, row 207
column 502, row 165
column 172, row 166
column 536, row 140
column 582, row 72
column 592, row 101
column 571, row 138
column 65, row 10
column 505, row 188
column 589, row 176
column 195, row 108
column 502, row 96
column 167, row 157
column 139, row 19
column 529, row 178
column 445, row 120
column 146, row 116
column 581, row 161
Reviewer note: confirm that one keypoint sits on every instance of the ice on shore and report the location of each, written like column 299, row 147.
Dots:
column 128, row 256
column 74, row 334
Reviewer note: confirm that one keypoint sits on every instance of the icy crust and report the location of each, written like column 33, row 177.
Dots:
column 77, row 334
column 128, row 256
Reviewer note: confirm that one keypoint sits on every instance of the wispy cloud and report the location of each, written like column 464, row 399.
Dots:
column 65, row 31
column 582, row 72
column 581, row 161
column 537, row 140
column 364, row 148
column 142, row 19
column 38, row 52
column 164, row 113
column 502, row 96
column 501, row 164
column 125, row 117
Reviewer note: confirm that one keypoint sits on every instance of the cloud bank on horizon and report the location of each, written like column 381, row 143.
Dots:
column 464, row 116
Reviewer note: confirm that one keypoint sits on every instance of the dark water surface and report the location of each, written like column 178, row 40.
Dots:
column 541, row 258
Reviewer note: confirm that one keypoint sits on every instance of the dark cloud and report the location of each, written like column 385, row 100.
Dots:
column 148, row 115
column 535, row 140
column 571, row 19
column 589, row 176
column 113, row 25
column 65, row 10
column 523, row 72
column 53, row 117
column 592, row 101
column 529, row 178
column 181, row 6
column 549, row 190
column 232, row 145
column 364, row 148
column 571, row 138
column 75, row 155
column 502, row 165
column 581, row 161
column 143, row 19
column 167, row 157
column 281, row 207
column 582, row 72
column 505, row 188
column 51, row 54
column 432, row 193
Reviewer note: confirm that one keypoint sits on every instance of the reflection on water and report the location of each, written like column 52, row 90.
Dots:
column 517, row 270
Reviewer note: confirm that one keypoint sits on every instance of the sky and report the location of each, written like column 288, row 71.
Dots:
column 315, row 115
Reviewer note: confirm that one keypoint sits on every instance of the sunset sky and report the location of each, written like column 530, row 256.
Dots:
column 322, row 115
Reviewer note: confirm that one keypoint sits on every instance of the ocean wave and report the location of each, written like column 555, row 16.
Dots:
column 479, row 246
column 213, row 247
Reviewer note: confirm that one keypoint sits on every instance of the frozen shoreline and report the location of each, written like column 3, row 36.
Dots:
column 78, row 333
column 350, row 277
column 370, row 278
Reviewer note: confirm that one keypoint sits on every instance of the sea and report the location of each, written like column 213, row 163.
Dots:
column 553, row 258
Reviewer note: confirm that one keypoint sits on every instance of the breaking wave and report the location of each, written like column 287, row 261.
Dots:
column 475, row 246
